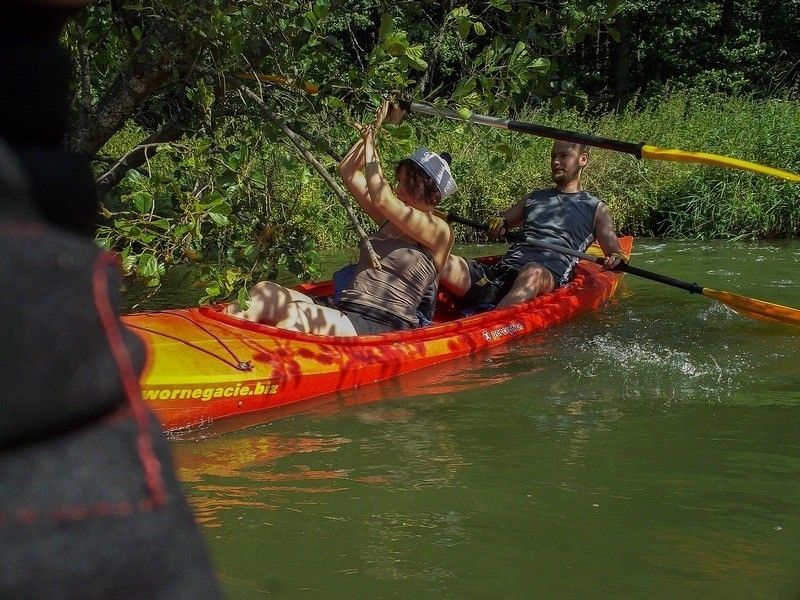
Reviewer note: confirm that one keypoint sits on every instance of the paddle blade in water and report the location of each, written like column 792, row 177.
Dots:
column 756, row 309
column 654, row 152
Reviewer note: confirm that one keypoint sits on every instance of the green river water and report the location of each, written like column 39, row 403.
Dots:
column 648, row 450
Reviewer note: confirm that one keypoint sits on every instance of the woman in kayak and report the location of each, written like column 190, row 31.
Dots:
column 413, row 245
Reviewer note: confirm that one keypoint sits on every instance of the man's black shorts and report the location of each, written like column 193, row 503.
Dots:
column 488, row 285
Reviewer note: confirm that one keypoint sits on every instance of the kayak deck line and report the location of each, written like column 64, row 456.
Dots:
column 189, row 383
column 236, row 364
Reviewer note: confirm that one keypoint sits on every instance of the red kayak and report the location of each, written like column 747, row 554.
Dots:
column 204, row 365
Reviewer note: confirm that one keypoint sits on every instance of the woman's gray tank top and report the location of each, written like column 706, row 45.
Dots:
column 397, row 288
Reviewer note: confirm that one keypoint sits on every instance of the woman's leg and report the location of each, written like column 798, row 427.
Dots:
column 268, row 303
column 307, row 317
column 277, row 305
column 455, row 276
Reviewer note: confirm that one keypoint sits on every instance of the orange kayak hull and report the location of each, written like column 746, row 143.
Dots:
column 204, row 365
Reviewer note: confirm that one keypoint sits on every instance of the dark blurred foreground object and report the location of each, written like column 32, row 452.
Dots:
column 89, row 503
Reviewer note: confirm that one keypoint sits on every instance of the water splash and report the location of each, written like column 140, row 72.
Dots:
column 646, row 368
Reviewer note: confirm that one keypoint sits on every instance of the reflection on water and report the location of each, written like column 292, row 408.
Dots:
column 649, row 450
column 233, row 472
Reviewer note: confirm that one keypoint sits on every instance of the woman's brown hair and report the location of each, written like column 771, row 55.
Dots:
column 420, row 183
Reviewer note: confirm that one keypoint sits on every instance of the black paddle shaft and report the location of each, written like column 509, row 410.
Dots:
column 529, row 128
column 518, row 236
column 577, row 138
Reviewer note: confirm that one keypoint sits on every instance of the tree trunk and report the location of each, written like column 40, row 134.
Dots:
column 726, row 20
column 148, row 70
column 620, row 56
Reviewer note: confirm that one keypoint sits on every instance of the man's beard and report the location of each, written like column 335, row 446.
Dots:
column 565, row 176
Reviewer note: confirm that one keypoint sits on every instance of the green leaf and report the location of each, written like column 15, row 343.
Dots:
column 501, row 5
column 215, row 201
column 400, row 132
column 541, row 64
column 136, row 32
column 414, row 56
column 243, row 298
column 135, row 177
column 334, row 102
column 518, row 50
column 505, row 150
column 250, row 251
column 396, row 44
column 147, row 265
column 231, row 276
column 219, row 219
column 557, row 102
column 160, row 224
column 611, row 7
column 386, row 27
column 479, row 28
column 128, row 260
column 142, row 201
column 321, row 8
column 464, row 113
column 464, row 88
column 464, row 27
column 614, row 34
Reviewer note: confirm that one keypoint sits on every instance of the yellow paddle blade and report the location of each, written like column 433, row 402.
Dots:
column 657, row 153
column 756, row 309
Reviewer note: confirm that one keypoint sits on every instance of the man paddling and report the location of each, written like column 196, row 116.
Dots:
column 565, row 215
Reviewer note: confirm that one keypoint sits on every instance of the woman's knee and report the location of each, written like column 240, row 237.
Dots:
column 455, row 275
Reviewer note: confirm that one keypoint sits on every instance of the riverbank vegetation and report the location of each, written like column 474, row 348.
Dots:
column 210, row 122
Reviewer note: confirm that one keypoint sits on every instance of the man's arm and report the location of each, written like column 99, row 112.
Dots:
column 515, row 213
column 606, row 236
column 511, row 218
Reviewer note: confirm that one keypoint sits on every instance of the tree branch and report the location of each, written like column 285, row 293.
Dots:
column 312, row 160
column 148, row 69
column 138, row 156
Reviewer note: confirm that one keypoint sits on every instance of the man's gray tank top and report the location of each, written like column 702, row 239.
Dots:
column 565, row 219
column 397, row 288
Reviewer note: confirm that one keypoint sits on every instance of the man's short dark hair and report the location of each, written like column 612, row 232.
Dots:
column 581, row 148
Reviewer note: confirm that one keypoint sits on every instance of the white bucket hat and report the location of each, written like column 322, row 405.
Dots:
column 437, row 168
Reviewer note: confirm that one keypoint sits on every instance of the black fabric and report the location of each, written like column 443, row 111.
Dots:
column 34, row 77
column 35, row 73
column 89, row 503
column 60, row 371
column 488, row 285
column 76, row 518
column 63, row 187
column 369, row 321
column 364, row 325
column 75, row 521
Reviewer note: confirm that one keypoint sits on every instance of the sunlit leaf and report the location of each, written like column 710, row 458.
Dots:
column 142, row 201
column 147, row 265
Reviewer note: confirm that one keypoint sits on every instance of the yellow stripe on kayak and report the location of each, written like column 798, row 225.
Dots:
column 657, row 153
